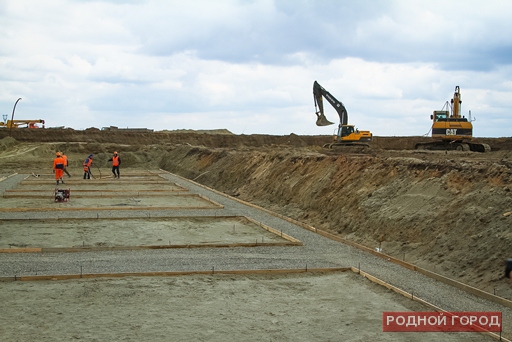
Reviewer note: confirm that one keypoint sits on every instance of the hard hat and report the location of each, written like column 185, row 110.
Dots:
column 91, row 155
column 115, row 152
column 58, row 154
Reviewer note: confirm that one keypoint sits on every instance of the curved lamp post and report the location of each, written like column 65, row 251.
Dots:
column 12, row 118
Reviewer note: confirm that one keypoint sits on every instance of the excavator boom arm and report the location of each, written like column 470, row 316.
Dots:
column 318, row 94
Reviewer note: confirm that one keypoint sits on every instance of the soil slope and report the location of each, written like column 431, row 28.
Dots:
column 445, row 211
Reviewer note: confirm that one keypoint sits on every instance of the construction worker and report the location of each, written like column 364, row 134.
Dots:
column 65, row 163
column 508, row 269
column 116, row 162
column 87, row 167
column 58, row 167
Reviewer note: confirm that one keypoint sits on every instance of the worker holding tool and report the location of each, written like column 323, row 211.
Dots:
column 116, row 162
column 58, row 167
column 65, row 163
column 87, row 167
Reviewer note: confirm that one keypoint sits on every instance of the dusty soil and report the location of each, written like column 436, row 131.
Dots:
column 186, row 201
column 291, row 307
column 70, row 233
column 446, row 211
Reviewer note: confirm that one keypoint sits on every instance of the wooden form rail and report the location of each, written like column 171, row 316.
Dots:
column 275, row 231
column 46, row 191
column 131, row 248
column 93, row 181
column 237, row 272
column 133, row 193
column 214, row 205
column 107, row 209
column 415, row 298
column 291, row 241
column 149, row 174
column 173, row 273
column 433, row 275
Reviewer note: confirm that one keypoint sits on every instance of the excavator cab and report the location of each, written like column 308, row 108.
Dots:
column 347, row 130
column 348, row 134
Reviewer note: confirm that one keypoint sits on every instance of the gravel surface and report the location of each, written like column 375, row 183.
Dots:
column 316, row 252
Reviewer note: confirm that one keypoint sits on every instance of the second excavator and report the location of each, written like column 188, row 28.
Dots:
column 451, row 130
column 346, row 135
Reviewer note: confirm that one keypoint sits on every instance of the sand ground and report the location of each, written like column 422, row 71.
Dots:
column 133, row 232
column 294, row 307
column 299, row 307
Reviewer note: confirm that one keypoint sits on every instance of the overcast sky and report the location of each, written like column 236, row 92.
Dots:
column 249, row 66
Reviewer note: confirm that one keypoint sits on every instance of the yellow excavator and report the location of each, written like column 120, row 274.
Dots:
column 451, row 130
column 22, row 123
column 347, row 135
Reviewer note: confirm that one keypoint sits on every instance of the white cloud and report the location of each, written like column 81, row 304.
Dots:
column 249, row 66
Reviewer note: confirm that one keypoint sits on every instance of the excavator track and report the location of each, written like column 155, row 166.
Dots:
column 453, row 146
column 347, row 144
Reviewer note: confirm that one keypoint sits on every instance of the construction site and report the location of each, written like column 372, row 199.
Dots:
column 209, row 235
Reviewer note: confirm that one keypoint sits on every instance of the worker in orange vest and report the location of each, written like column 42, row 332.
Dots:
column 116, row 162
column 87, row 167
column 65, row 163
column 58, row 167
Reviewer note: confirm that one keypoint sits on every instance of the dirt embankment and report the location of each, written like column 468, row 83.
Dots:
column 445, row 211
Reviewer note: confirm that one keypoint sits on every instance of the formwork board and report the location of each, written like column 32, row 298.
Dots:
column 99, row 185
column 183, row 231
column 334, row 306
column 89, row 193
column 175, row 201
column 105, row 175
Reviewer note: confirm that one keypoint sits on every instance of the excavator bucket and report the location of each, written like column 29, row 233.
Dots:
column 322, row 120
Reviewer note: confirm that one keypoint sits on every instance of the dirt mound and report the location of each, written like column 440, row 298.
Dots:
column 7, row 142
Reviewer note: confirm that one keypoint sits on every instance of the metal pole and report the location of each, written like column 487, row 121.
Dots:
column 12, row 117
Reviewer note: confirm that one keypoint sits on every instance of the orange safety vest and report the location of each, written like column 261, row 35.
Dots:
column 115, row 161
column 87, row 164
